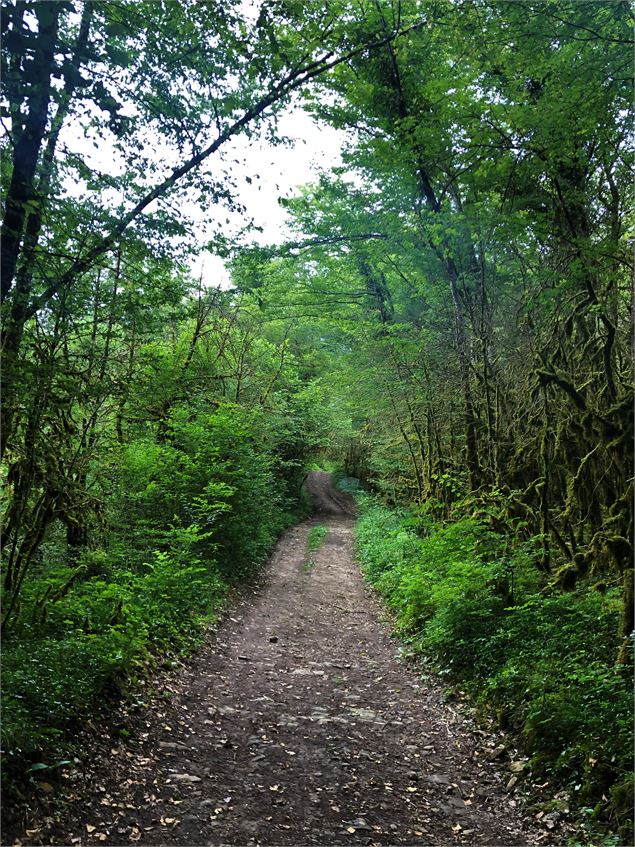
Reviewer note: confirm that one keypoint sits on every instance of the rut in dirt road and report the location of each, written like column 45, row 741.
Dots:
column 298, row 725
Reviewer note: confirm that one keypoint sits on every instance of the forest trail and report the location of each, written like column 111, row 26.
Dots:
column 297, row 724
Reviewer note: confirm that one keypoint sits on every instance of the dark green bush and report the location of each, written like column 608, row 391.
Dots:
column 186, row 517
column 542, row 664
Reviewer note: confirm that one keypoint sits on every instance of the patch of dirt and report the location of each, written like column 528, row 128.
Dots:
column 326, row 499
column 297, row 724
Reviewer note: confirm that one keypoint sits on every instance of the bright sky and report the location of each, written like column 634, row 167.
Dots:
column 316, row 147
column 281, row 169
column 263, row 173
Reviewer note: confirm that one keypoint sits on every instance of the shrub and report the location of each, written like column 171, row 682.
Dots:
column 542, row 664
column 185, row 518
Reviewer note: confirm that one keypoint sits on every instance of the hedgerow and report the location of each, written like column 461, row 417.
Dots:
column 541, row 663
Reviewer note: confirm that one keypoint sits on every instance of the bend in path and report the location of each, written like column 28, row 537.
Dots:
column 298, row 725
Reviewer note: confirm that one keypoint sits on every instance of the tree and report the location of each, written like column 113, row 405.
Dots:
column 486, row 173
column 271, row 56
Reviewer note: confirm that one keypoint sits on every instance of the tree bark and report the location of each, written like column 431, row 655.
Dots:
column 27, row 150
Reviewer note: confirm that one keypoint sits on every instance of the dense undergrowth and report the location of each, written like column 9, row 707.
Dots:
column 540, row 661
column 186, row 518
column 451, row 314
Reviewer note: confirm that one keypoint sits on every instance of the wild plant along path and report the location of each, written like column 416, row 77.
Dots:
column 298, row 725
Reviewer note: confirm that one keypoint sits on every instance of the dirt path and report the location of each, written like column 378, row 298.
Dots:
column 297, row 725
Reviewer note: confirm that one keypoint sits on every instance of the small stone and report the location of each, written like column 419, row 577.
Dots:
column 364, row 714
column 46, row 787
column 186, row 777
column 439, row 779
column 512, row 782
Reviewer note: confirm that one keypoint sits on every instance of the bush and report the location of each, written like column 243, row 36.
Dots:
column 186, row 518
column 543, row 665
column 93, row 640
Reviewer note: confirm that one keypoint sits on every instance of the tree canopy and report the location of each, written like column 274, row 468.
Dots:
column 448, row 320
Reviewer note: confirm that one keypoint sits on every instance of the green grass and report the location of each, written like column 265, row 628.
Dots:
column 316, row 537
column 314, row 541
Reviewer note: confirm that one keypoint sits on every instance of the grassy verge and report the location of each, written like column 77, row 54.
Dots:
column 315, row 539
column 541, row 662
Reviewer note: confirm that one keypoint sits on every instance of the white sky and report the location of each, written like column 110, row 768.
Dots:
column 281, row 169
column 274, row 170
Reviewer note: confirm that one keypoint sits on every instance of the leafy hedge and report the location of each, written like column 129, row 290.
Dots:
column 542, row 663
column 185, row 518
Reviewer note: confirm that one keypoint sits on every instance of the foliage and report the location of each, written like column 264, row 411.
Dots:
column 345, row 484
column 175, row 499
column 540, row 664
column 469, row 261
column 315, row 539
